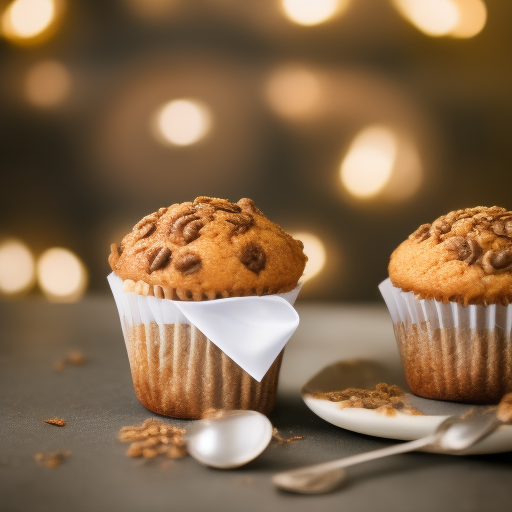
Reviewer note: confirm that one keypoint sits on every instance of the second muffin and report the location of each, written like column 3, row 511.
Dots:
column 451, row 295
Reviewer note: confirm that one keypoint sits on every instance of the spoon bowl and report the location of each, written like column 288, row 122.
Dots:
column 230, row 439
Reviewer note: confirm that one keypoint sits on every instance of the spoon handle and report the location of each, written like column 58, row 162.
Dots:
column 356, row 459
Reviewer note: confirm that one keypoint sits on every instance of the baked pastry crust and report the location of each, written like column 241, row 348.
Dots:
column 208, row 249
column 464, row 257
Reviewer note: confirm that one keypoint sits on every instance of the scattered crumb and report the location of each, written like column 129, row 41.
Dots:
column 245, row 480
column 76, row 358
column 53, row 459
column 505, row 409
column 213, row 413
column 154, row 438
column 58, row 422
column 73, row 358
column 166, row 464
column 59, row 365
column 386, row 399
column 469, row 413
column 281, row 440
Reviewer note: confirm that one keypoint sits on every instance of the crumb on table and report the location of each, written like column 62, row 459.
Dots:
column 153, row 438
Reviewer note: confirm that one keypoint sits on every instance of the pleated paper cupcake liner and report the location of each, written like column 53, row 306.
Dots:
column 449, row 351
column 178, row 371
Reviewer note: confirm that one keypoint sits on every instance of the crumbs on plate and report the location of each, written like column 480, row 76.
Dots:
column 387, row 399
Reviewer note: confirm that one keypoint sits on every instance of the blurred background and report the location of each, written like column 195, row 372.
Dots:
column 348, row 122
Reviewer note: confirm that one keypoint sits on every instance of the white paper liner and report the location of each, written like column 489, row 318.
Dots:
column 252, row 331
column 405, row 307
column 450, row 351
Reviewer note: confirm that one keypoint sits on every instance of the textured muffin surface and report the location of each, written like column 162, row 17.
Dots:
column 208, row 249
column 464, row 256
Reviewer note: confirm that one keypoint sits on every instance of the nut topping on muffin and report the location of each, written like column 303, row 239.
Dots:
column 464, row 256
column 159, row 258
column 209, row 248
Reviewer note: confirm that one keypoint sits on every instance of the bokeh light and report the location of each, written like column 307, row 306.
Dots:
column 25, row 20
column 61, row 275
column 47, row 84
column 314, row 249
column 182, row 122
column 407, row 174
column 472, row 18
column 17, row 269
column 433, row 17
column 369, row 162
column 312, row 12
column 292, row 91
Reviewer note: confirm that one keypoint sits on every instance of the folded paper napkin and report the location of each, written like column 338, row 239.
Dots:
column 251, row 331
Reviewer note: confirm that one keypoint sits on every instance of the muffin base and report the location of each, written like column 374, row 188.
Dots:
column 459, row 364
column 177, row 371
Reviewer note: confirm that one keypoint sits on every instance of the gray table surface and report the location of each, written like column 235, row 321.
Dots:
column 98, row 398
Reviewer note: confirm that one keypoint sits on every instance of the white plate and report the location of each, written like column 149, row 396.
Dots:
column 365, row 375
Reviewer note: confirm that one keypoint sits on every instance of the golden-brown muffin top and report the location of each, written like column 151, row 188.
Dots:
column 464, row 256
column 208, row 249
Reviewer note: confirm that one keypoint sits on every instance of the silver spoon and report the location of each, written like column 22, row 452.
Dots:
column 229, row 439
column 453, row 435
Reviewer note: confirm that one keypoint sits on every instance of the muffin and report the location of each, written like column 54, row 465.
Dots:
column 449, row 294
column 209, row 249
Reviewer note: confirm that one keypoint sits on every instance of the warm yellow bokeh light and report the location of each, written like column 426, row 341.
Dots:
column 472, row 18
column 182, row 122
column 292, row 91
column 61, row 275
column 369, row 162
column 26, row 19
column 17, row 269
column 407, row 174
column 47, row 84
column 314, row 249
column 312, row 12
column 433, row 17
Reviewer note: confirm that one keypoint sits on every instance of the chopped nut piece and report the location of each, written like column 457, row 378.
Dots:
column 188, row 263
column 146, row 230
column 253, row 257
column 58, row 422
column 159, row 258
column 422, row 233
column 501, row 259
column 241, row 223
column 191, row 230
